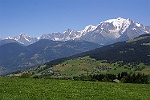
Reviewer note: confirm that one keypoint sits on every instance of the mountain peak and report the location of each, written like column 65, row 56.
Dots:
column 117, row 29
column 68, row 30
column 89, row 28
column 9, row 37
column 118, row 20
column 25, row 39
column 23, row 35
column 120, row 23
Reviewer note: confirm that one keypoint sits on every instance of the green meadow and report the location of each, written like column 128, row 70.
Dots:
column 86, row 65
column 49, row 89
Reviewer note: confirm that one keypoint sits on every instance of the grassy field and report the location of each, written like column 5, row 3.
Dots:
column 46, row 89
column 79, row 66
column 84, row 66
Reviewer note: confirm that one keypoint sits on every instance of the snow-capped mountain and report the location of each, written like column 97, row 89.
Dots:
column 25, row 39
column 88, row 28
column 65, row 36
column 107, row 32
column 114, row 30
column 21, row 38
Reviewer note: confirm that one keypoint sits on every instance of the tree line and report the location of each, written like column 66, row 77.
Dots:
column 123, row 77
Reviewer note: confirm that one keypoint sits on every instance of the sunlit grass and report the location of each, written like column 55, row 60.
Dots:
column 46, row 89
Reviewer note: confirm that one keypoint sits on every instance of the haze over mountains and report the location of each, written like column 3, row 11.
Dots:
column 129, row 56
column 23, row 51
column 107, row 32
column 14, row 56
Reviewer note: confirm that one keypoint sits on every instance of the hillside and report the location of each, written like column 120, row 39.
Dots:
column 5, row 41
column 136, row 50
column 16, row 57
column 130, row 56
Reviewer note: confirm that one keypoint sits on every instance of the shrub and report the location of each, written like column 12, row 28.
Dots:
column 25, row 75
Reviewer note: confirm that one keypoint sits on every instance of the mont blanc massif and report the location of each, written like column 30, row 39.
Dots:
column 23, row 51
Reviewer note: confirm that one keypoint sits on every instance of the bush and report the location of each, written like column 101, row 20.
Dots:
column 36, row 76
column 135, row 78
column 25, row 75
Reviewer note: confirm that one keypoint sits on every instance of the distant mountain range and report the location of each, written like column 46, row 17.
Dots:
column 23, row 51
column 131, row 56
column 15, row 56
column 23, row 39
column 107, row 32
column 134, row 51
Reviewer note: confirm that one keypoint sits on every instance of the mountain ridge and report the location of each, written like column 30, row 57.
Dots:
column 106, row 32
column 15, row 56
column 130, row 56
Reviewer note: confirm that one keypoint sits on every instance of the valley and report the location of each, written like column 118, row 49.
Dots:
column 74, row 50
column 131, row 57
column 22, row 51
column 15, row 57
column 79, row 58
column 85, row 66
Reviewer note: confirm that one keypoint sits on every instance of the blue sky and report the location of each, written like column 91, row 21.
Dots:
column 37, row 17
